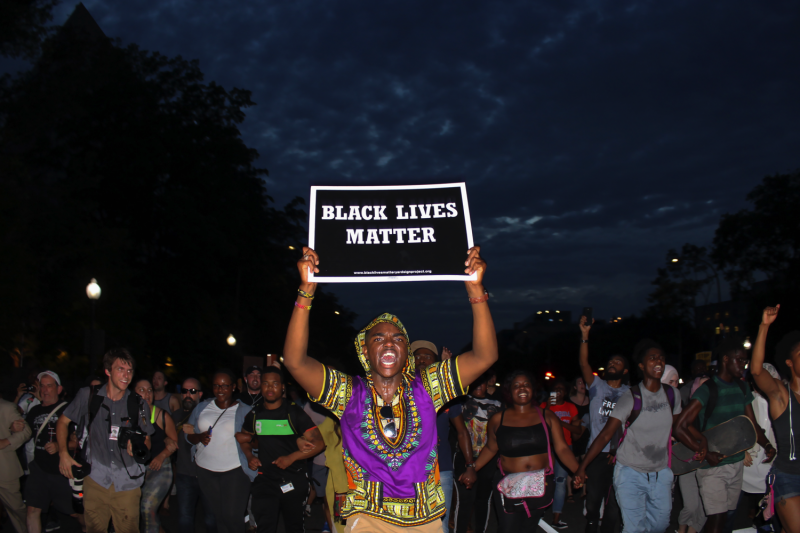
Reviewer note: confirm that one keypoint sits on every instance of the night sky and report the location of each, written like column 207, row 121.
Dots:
column 593, row 136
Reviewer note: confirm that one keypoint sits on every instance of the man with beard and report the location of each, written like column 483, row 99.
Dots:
column 161, row 398
column 727, row 396
column 282, row 485
column 186, row 471
column 603, row 396
column 252, row 394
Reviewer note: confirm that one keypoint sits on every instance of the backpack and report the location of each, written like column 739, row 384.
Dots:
column 713, row 396
column 95, row 404
column 637, row 409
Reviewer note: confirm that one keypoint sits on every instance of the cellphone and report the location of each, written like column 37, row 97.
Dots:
column 553, row 397
column 210, row 429
column 587, row 312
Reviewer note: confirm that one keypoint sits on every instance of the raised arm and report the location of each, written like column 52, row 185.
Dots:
column 484, row 338
column 775, row 392
column 583, row 356
column 308, row 372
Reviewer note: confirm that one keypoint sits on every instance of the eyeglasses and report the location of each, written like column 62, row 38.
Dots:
column 189, row 391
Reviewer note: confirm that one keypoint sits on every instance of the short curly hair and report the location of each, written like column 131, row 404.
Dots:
column 535, row 385
column 783, row 351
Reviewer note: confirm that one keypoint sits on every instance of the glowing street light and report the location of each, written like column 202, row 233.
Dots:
column 291, row 247
column 231, row 340
column 93, row 290
column 747, row 344
column 674, row 259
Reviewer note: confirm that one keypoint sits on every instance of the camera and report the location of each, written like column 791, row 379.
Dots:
column 141, row 453
column 77, row 494
column 31, row 388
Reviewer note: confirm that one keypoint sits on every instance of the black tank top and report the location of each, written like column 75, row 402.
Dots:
column 787, row 431
column 157, row 444
column 521, row 441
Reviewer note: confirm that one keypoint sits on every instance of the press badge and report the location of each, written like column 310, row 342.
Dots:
column 114, row 433
column 287, row 488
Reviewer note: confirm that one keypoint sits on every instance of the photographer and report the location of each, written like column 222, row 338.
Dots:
column 45, row 484
column 114, row 418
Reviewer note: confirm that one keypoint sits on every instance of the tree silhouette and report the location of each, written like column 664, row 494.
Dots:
column 23, row 26
column 125, row 166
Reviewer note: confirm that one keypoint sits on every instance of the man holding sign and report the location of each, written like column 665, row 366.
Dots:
column 389, row 437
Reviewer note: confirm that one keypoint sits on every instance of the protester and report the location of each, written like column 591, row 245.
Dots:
column 784, row 409
column 223, row 474
column 698, row 369
column 164, row 442
column 721, row 482
column 189, row 492
column 603, row 396
column 670, row 376
column 282, row 485
column 425, row 354
column 580, row 399
column 319, row 472
column 161, row 398
column 14, row 431
column 476, row 412
column 112, row 488
column 45, row 483
column 336, row 488
column 252, row 382
column 642, row 477
column 389, row 417
column 567, row 414
column 522, row 434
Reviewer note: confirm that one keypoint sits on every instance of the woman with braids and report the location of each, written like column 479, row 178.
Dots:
column 784, row 409
column 388, row 418
column 526, row 437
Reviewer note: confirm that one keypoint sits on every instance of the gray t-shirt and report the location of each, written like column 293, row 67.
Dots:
column 645, row 448
column 602, row 400
column 110, row 463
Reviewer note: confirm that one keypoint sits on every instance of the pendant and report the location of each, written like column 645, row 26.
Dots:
column 390, row 430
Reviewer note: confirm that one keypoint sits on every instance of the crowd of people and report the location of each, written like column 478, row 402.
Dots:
column 423, row 441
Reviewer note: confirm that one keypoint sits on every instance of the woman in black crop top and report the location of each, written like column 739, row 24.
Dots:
column 164, row 442
column 521, row 440
column 784, row 409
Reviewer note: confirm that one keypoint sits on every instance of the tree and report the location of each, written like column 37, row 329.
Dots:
column 124, row 165
column 686, row 276
column 763, row 241
column 23, row 26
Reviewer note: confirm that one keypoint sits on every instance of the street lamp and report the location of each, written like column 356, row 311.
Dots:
column 231, row 340
column 93, row 291
column 747, row 343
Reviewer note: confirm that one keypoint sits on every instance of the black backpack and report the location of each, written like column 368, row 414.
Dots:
column 134, row 403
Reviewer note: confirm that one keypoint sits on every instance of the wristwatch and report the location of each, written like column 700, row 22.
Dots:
column 471, row 465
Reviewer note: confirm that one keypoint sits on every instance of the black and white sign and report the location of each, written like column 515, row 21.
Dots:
column 394, row 233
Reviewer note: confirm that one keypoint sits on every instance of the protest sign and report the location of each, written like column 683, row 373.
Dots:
column 390, row 233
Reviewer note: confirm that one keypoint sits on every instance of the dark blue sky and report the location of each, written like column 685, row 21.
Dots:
column 593, row 136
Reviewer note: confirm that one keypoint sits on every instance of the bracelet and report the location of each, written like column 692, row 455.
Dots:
column 480, row 299
column 304, row 294
column 584, row 341
column 471, row 465
column 301, row 306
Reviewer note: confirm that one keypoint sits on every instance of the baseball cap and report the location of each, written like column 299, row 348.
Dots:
column 254, row 368
column 416, row 345
column 51, row 374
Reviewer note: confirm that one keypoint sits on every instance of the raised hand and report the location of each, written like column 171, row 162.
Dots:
column 474, row 264
column 308, row 263
column 770, row 314
column 446, row 353
column 584, row 326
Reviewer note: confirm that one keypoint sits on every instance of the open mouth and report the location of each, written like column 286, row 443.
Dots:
column 388, row 359
column 658, row 368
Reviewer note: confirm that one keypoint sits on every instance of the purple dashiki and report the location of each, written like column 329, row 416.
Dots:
column 395, row 480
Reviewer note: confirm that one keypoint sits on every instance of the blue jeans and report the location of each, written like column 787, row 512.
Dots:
column 446, row 479
column 560, row 473
column 189, row 493
column 645, row 500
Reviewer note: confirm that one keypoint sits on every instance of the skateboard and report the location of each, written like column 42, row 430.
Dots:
column 729, row 438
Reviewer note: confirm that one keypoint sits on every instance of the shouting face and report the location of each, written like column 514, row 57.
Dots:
column 386, row 350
